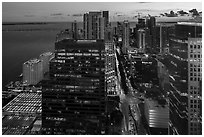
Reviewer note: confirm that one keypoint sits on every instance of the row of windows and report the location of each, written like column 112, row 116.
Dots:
column 196, row 56
column 77, row 50
column 195, row 46
column 194, row 79
column 196, row 69
column 195, row 74
column 194, row 92
column 195, row 124
column 193, row 110
column 194, row 106
column 194, row 101
column 193, row 87
column 79, row 58
column 199, row 65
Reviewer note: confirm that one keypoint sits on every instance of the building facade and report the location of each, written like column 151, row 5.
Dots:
column 126, row 36
column 74, row 99
column 45, row 58
column 74, row 30
column 32, row 71
column 94, row 24
column 110, row 63
column 194, row 87
column 184, row 81
column 141, row 40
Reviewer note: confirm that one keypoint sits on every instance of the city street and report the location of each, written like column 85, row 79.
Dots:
column 130, row 100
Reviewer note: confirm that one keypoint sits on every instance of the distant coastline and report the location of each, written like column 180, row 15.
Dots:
column 24, row 23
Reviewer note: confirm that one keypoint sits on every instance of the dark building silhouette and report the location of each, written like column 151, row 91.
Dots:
column 74, row 99
column 162, row 38
column 151, row 25
column 141, row 23
column 106, row 16
column 74, row 30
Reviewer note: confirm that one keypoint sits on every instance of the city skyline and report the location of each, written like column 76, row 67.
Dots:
column 100, row 76
column 69, row 11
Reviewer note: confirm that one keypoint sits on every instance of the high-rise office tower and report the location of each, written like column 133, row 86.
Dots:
column 45, row 58
column 184, row 67
column 141, row 40
column 74, row 30
column 194, row 89
column 74, row 99
column 126, row 36
column 162, row 38
column 141, row 23
column 110, row 65
column 151, row 24
column 106, row 16
column 32, row 71
column 94, row 24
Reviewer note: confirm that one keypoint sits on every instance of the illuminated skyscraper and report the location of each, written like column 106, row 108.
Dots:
column 74, row 100
column 110, row 63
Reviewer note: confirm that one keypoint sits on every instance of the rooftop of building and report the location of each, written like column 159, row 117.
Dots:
column 24, row 103
column 32, row 61
column 190, row 23
column 16, row 125
column 155, row 105
column 80, row 41
column 46, row 54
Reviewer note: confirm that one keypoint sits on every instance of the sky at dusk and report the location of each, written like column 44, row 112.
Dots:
column 69, row 11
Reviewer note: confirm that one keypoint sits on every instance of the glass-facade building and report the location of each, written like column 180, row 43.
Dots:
column 178, row 65
column 74, row 99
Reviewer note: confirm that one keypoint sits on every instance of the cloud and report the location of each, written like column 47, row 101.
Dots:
column 56, row 14
column 77, row 15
